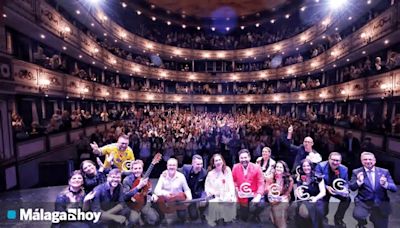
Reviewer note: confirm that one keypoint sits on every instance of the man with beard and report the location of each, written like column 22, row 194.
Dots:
column 332, row 170
column 149, row 215
column 372, row 198
column 109, row 199
column 249, row 184
column 171, row 184
column 120, row 151
column 195, row 176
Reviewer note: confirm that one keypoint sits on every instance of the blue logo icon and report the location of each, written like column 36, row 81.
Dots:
column 11, row 214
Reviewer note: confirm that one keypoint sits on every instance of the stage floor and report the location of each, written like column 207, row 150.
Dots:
column 45, row 197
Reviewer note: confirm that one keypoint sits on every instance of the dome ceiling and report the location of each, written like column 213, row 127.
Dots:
column 211, row 8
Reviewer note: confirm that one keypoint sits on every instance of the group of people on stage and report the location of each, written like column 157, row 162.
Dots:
column 219, row 194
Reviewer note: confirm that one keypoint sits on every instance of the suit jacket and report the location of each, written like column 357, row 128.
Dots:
column 300, row 155
column 355, row 146
column 323, row 170
column 376, row 196
column 198, row 188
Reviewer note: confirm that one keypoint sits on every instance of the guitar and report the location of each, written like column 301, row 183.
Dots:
column 170, row 204
column 139, row 199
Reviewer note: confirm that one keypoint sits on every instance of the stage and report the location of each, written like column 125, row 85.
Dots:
column 45, row 197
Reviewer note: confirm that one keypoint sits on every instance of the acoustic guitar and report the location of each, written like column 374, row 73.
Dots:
column 139, row 199
column 170, row 204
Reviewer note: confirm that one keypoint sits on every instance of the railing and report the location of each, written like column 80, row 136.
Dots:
column 33, row 147
column 29, row 79
column 51, row 20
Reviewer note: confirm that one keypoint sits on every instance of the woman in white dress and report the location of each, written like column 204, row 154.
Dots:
column 219, row 182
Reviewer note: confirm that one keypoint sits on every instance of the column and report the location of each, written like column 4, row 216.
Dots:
column 177, row 107
column 91, row 107
column 9, row 43
column 277, row 110
column 220, row 108
column 364, row 114
column 117, row 80
column 296, row 110
column 192, row 65
column 148, row 83
column 55, row 105
column 3, row 39
column 73, row 106
column 191, row 86
column 104, row 106
column 132, row 82
column 234, row 109
column 323, row 79
column 118, row 106
column 30, row 51
column 62, row 105
column 43, row 108
column 248, row 109
column 385, row 109
column 103, row 77
column 191, row 108
column 219, row 88
column 35, row 116
column 335, row 109
column 293, row 108
column 162, row 107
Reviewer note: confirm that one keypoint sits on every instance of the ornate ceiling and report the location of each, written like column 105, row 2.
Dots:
column 206, row 8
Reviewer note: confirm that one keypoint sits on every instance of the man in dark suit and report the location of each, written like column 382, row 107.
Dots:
column 195, row 176
column 372, row 199
column 332, row 170
column 351, row 149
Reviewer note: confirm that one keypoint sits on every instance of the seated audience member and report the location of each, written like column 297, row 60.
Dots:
column 108, row 198
column 307, row 183
column 249, row 184
column 278, row 187
column 147, row 213
column 372, row 200
column 219, row 183
column 171, row 184
column 332, row 170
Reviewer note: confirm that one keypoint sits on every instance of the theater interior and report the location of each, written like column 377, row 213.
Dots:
column 186, row 77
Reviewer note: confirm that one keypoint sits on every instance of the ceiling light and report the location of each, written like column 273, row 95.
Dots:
column 213, row 28
column 258, row 25
column 153, row 18
column 92, row 24
column 350, row 18
column 80, row 56
column 4, row 15
column 287, row 16
column 42, row 36
column 124, row 4
column 64, row 48
column 303, row 8
column 337, row 4
column 168, row 23
column 272, row 21
column 78, row 12
column 93, row 62
column 138, row 12
column 198, row 28
column 242, row 27
column 369, row 2
column 227, row 28
column 184, row 26
column 386, row 41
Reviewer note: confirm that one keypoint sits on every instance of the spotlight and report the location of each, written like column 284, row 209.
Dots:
column 337, row 4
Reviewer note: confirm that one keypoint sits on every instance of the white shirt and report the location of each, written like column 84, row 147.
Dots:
column 169, row 185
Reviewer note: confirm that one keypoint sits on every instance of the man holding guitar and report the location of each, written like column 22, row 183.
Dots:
column 169, row 189
column 136, row 187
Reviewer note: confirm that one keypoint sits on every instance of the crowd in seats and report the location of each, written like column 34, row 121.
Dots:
column 64, row 120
